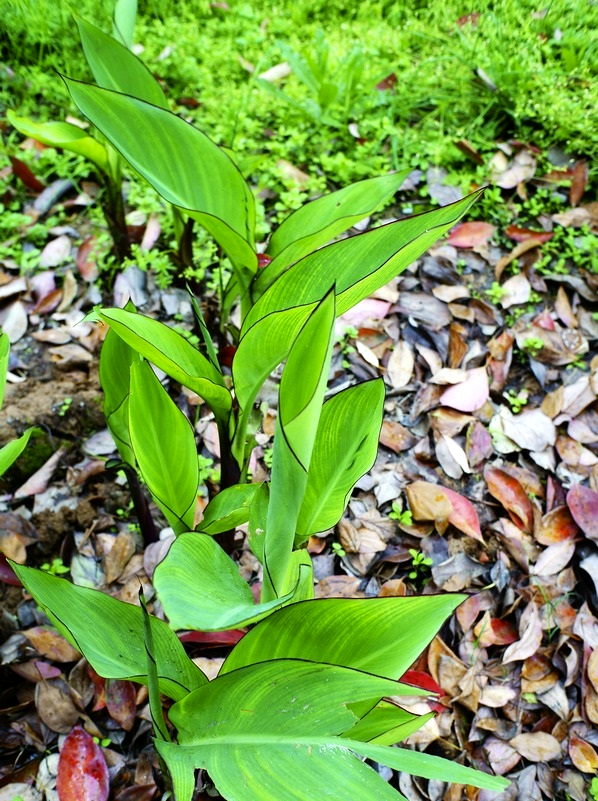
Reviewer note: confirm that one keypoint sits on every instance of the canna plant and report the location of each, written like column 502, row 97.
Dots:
column 311, row 689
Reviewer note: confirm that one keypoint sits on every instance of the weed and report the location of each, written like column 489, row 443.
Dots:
column 55, row 568
column 420, row 566
column 337, row 549
column 495, row 293
column 533, row 345
column 516, row 400
column 401, row 516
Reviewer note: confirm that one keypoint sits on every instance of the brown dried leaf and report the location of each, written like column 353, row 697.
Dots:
column 49, row 643
column 530, row 628
column 396, row 437
column 400, row 365
column 509, row 492
column 556, row 526
column 119, row 554
column 55, row 705
column 583, row 505
column 537, row 746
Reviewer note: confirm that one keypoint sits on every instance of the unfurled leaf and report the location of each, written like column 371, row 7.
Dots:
column 345, row 447
column 511, row 495
column 223, row 600
column 228, row 509
column 583, row 505
column 12, row 450
column 63, row 135
column 109, row 633
column 296, row 710
column 82, row 770
column 164, row 447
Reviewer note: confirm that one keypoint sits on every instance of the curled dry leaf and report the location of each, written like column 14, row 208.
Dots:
column 583, row 755
column 583, row 505
column 556, row 526
column 537, row 746
column 511, row 495
column 82, row 769
column 554, row 559
column 531, row 636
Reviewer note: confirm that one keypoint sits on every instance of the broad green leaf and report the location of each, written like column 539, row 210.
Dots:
column 125, row 13
column 64, row 135
column 255, row 728
column 109, row 633
column 164, row 447
column 115, row 377
column 316, row 223
column 359, row 265
column 258, row 515
column 180, row 162
column 228, row 509
column 201, row 589
column 174, row 354
column 13, row 449
column 386, row 724
column 4, row 357
column 302, row 388
column 115, row 67
column 345, row 448
column 378, row 635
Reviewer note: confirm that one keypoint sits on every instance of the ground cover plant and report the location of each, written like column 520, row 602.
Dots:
column 319, row 451
column 483, row 344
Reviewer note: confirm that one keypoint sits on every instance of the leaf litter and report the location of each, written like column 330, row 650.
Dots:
column 487, row 468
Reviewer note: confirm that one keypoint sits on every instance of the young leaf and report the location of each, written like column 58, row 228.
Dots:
column 116, row 359
column 359, row 265
column 13, row 449
column 125, row 13
column 378, row 635
column 115, row 67
column 255, row 727
column 172, row 353
column 181, row 163
column 200, row 587
column 345, row 448
column 302, row 390
column 109, row 633
column 153, row 684
column 63, row 135
column 386, row 724
column 228, row 509
column 316, row 223
column 164, row 447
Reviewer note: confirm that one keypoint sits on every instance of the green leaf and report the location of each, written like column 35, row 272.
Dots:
column 173, row 354
column 109, row 633
column 316, row 223
column 301, row 394
column 164, row 447
column 378, row 635
column 386, row 724
column 200, row 587
column 256, row 727
column 358, row 265
column 125, row 13
column 63, row 135
column 115, row 67
column 228, row 509
column 4, row 358
column 13, row 449
column 181, row 163
column 345, row 448
column 115, row 366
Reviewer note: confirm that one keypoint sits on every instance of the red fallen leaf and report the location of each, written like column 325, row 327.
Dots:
column 583, row 505
column 7, row 574
column 504, row 632
column 421, row 679
column 121, row 702
column 87, row 263
column 463, row 515
column 387, row 83
column 470, row 234
column 509, row 492
column 82, row 770
column 556, row 526
column 212, row 638
column 578, row 184
column 544, row 320
column 99, row 690
column 22, row 171
column 523, row 234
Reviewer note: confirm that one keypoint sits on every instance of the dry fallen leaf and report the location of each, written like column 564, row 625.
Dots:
column 530, row 628
column 509, row 492
column 537, row 746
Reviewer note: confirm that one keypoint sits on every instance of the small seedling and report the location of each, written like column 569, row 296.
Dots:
column 516, row 400
column 338, row 549
column 496, row 292
column 533, row 345
column 404, row 517
column 593, row 789
column 56, row 567
column 65, row 406
column 420, row 565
